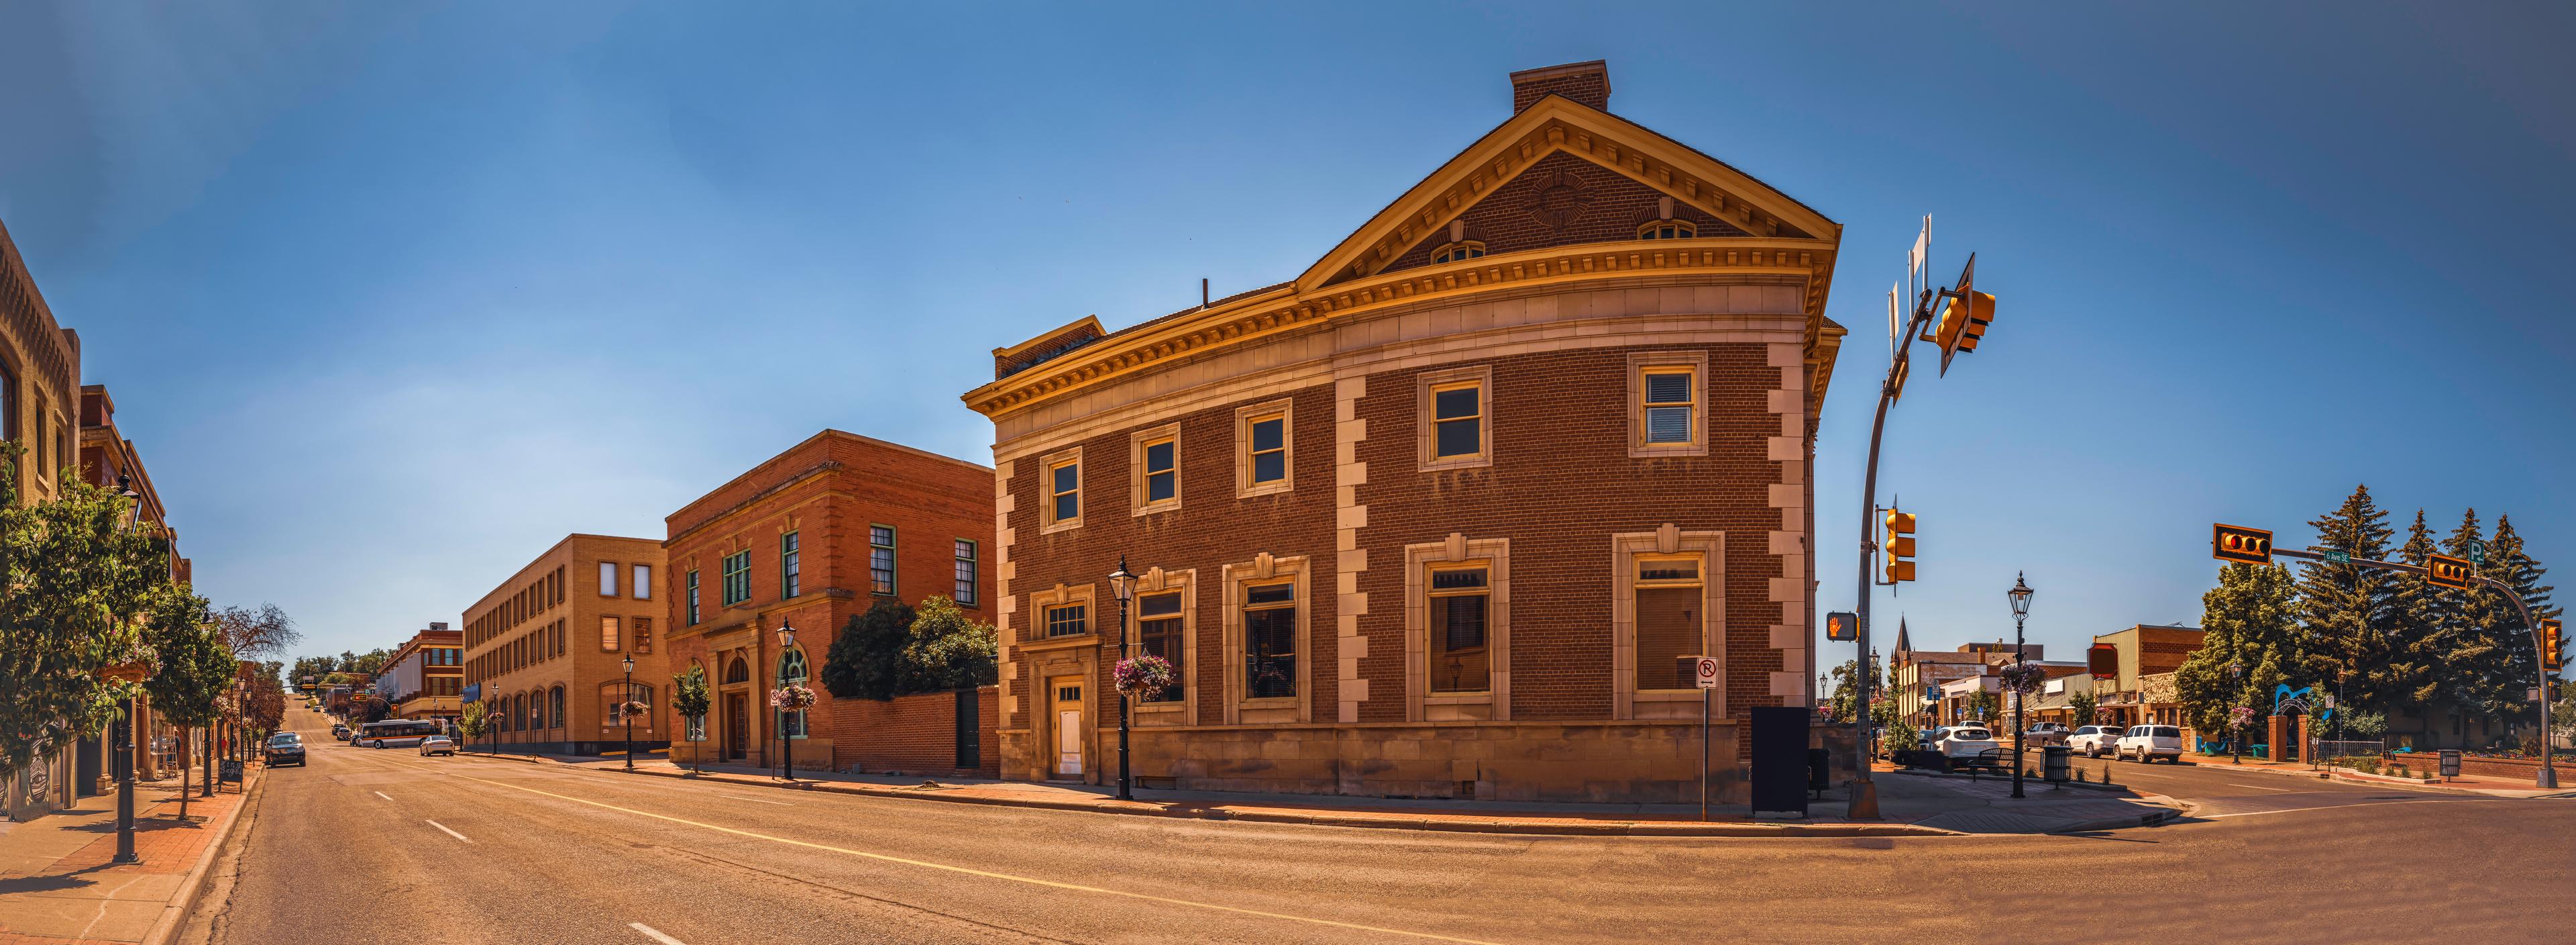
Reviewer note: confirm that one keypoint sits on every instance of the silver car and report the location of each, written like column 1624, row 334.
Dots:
column 437, row 745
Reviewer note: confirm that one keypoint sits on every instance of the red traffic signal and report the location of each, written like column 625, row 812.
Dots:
column 1842, row 626
column 2447, row 571
column 2240, row 544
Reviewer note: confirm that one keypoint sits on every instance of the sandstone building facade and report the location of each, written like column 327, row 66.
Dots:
column 545, row 650
column 1439, row 516
column 811, row 538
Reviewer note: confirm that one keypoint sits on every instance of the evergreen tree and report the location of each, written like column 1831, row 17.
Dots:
column 2248, row 620
column 2476, row 658
column 2510, row 562
column 2425, row 630
column 2348, row 609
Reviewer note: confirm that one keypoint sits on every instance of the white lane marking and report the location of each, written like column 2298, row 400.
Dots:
column 754, row 800
column 2257, row 787
column 443, row 828
column 380, row 794
column 654, row 934
column 2293, row 810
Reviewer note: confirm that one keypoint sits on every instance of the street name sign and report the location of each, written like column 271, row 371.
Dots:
column 2338, row 557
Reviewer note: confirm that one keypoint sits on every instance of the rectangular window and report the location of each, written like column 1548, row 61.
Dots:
column 1064, row 492
column 642, row 629
column 737, row 578
column 790, row 568
column 881, row 559
column 559, row 635
column 608, row 633
column 1458, row 420
column 1270, row 641
column 1158, row 625
column 642, row 584
column 607, row 579
column 693, row 598
column 1154, row 460
column 1269, row 449
column 965, row 592
column 1671, row 406
column 1067, row 620
column 1669, row 604
column 1459, row 658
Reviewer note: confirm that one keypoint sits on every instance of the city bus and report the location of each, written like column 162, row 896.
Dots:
column 397, row 733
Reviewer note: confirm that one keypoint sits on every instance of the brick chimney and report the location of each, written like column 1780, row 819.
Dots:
column 1585, row 82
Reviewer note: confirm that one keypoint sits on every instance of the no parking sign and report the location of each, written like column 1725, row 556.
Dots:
column 1704, row 670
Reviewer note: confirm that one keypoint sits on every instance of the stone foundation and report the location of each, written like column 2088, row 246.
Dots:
column 1603, row 762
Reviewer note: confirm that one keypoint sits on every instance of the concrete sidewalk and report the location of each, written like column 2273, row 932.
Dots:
column 56, row 884
column 1912, row 807
column 1986, row 805
column 2466, row 784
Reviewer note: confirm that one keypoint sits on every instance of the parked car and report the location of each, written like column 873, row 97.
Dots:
column 2094, row 740
column 340, row 733
column 2046, row 733
column 1963, row 741
column 437, row 745
column 2150, row 742
column 283, row 748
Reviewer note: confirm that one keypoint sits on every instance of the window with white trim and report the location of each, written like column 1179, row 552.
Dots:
column 1668, row 230
column 1671, row 405
column 1270, row 640
column 964, row 593
column 1460, row 658
column 1154, row 466
column 1060, row 490
column 1160, row 627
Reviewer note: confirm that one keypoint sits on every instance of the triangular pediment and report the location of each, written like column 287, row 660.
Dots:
column 1562, row 172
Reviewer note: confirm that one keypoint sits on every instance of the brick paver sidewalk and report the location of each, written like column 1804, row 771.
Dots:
column 57, row 886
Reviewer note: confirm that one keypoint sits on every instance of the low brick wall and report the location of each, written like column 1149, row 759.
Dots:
column 1607, row 762
column 2517, row 769
column 911, row 734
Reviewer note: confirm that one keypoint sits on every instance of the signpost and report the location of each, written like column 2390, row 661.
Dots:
column 1704, row 675
column 2450, row 763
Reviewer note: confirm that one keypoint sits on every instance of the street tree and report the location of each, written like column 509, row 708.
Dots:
column 2084, row 704
column 690, row 700
column 2426, row 630
column 475, row 720
column 2509, row 561
column 252, row 634
column 193, row 668
column 1843, row 704
column 2348, row 609
column 73, row 576
column 2477, row 655
column 866, row 659
column 2249, row 620
column 1984, row 705
column 947, row 650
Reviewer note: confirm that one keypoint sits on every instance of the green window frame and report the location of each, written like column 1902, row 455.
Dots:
column 693, row 597
column 737, row 578
column 790, row 571
column 881, row 559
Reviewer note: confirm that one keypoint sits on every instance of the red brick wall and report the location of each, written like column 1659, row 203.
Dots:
column 1613, row 205
column 911, row 734
column 1585, row 86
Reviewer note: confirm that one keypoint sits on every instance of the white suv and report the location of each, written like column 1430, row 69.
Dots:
column 1963, row 741
column 2094, row 740
column 2150, row 742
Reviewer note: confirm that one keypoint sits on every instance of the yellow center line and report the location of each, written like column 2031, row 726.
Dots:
column 967, row 870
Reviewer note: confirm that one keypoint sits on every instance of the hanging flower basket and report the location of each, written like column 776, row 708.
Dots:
column 1142, row 675
column 2024, row 678
column 2241, row 717
column 792, row 697
column 631, row 708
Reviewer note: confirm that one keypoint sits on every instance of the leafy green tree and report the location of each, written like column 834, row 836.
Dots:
column 73, row 576
column 2248, row 620
column 475, row 720
column 947, row 650
column 1843, row 704
column 2349, row 609
column 195, row 667
column 2084, row 704
column 866, row 660
column 1984, row 705
column 690, row 700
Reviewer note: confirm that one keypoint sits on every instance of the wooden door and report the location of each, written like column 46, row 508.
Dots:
column 1068, row 725
column 737, row 737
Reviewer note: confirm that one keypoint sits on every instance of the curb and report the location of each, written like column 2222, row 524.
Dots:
column 174, row 916
column 2117, row 823
column 2086, row 785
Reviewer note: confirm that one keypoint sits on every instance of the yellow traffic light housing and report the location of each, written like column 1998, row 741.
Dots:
column 1898, row 546
column 1964, row 319
column 2447, row 571
column 2549, row 632
column 2240, row 544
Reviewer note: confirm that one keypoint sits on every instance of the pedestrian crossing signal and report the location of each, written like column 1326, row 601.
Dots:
column 1842, row 626
column 2447, row 571
column 2240, row 544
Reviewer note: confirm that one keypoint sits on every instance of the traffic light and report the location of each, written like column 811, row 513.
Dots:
column 1964, row 320
column 2549, row 632
column 2240, row 544
column 1899, row 546
column 1842, row 626
column 2447, row 571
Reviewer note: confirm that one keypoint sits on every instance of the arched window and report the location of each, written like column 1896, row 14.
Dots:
column 1668, row 230
column 791, row 669
column 737, row 671
column 1455, row 252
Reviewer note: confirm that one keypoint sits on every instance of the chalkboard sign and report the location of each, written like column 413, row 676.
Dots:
column 232, row 771
column 2450, row 762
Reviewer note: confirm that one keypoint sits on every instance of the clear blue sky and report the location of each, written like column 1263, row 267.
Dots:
column 394, row 296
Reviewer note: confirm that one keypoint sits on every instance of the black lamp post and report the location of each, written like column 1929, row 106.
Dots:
column 629, row 664
column 786, row 751
column 1124, row 584
column 2020, row 595
column 2236, row 737
column 124, row 734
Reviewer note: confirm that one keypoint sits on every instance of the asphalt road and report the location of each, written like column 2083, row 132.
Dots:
column 369, row 846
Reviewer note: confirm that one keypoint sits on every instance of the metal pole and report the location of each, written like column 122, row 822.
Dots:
column 630, row 721
column 2018, row 726
column 1124, row 793
column 1703, row 752
column 1864, row 794
column 125, row 786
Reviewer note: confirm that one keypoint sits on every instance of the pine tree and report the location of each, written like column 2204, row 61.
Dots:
column 2509, row 562
column 2248, row 621
column 2425, row 631
column 2349, row 609
column 2474, row 659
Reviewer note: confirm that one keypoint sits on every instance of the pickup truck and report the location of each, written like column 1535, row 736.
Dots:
column 2046, row 733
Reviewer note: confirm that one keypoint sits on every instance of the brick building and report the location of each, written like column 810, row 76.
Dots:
column 1438, row 516
column 39, row 394
column 811, row 538
column 2142, row 694
column 428, row 675
column 545, row 649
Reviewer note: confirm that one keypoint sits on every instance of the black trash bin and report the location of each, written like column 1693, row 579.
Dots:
column 2054, row 761
column 1820, row 770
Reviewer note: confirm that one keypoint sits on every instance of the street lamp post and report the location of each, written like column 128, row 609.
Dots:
column 2236, row 727
column 786, row 750
column 2020, row 595
column 629, row 664
column 1124, row 584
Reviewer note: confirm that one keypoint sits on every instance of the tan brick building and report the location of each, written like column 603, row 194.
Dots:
column 1437, row 516
column 811, row 538
column 545, row 648
column 39, row 397
column 428, row 673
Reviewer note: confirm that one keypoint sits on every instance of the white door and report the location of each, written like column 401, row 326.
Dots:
column 1068, row 727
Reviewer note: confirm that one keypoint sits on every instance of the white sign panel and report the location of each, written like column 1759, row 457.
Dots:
column 1706, row 672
